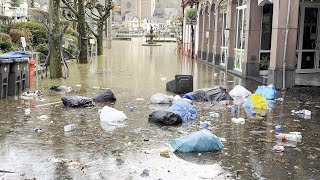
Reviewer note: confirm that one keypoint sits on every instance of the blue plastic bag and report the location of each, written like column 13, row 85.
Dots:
column 269, row 92
column 185, row 110
column 201, row 141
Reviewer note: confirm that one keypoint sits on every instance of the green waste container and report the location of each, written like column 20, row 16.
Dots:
column 5, row 63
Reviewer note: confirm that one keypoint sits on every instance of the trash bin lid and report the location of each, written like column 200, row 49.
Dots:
column 16, row 58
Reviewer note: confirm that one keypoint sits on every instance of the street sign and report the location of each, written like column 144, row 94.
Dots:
column 191, row 16
column 23, row 42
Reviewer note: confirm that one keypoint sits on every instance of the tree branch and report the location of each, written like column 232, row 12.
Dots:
column 95, row 34
column 96, row 18
column 71, row 8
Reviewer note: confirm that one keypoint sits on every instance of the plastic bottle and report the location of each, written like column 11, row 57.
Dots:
column 293, row 136
column 70, row 127
column 278, row 129
column 234, row 111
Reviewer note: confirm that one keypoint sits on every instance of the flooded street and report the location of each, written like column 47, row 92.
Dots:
column 131, row 150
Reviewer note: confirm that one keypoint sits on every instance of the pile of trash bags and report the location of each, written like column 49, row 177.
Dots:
column 105, row 96
column 209, row 94
column 61, row 88
column 165, row 118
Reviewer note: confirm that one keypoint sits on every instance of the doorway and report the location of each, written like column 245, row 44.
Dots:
column 309, row 38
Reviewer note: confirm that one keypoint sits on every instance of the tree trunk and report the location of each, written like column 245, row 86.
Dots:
column 55, row 54
column 100, row 38
column 83, row 57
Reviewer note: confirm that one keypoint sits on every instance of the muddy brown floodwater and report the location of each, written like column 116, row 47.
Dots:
column 131, row 150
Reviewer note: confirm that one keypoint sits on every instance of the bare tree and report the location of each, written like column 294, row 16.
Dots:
column 99, row 13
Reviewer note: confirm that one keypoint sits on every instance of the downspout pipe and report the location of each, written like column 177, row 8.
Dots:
column 285, row 48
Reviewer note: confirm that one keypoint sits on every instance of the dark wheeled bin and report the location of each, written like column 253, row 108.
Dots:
column 18, row 75
column 181, row 84
column 4, row 76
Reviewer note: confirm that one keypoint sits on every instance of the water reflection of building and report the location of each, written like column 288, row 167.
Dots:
column 247, row 37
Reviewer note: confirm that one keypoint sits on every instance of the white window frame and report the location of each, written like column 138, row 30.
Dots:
column 223, row 47
column 242, row 8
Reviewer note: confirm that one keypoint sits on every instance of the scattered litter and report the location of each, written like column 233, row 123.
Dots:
column 78, row 85
column 95, row 87
column 61, row 88
column 160, row 98
column 279, row 99
column 214, row 114
column 165, row 118
column 215, row 74
column 71, row 164
column 77, row 101
column 292, row 136
column 303, row 111
column 222, row 139
column 48, row 104
column 131, row 109
column 163, row 79
column 139, row 99
column 145, row 173
column 239, row 91
column 296, row 120
column 70, row 127
column 204, row 124
column 43, row 117
column 105, row 96
column 238, row 120
column 109, row 114
column 164, row 152
column 185, row 110
column 209, row 94
column 200, row 141
column 37, row 130
column 32, row 94
column 234, row 112
column 278, row 129
column 27, row 111
column 199, row 154
column 269, row 92
column 278, row 149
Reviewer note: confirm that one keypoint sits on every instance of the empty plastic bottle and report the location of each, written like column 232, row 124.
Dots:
column 234, row 111
column 293, row 136
column 70, row 127
column 278, row 129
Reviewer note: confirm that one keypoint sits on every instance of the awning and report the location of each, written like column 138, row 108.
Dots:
column 263, row 2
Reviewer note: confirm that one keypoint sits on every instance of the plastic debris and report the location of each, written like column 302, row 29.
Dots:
column 43, row 117
column 160, row 98
column 37, row 130
column 139, row 99
column 269, row 92
column 163, row 79
column 109, row 114
column 70, row 127
column 77, row 101
column 200, row 141
column 209, row 94
column 165, row 118
column 27, row 111
column 164, row 152
column 278, row 149
column 185, row 110
column 105, row 96
column 61, row 88
column 239, row 91
column 238, row 120
column 214, row 114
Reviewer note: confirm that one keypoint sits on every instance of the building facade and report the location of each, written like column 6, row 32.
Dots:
column 272, row 41
column 138, row 8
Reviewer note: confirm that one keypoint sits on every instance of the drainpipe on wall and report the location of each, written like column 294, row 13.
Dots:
column 285, row 48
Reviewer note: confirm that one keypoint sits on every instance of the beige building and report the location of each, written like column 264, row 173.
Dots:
column 138, row 8
column 272, row 41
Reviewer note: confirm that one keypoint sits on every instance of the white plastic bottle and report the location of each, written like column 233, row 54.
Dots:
column 293, row 136
column 70, row 127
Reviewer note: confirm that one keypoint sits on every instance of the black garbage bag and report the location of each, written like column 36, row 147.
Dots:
column 105, row 96
column 165, row 118
column 61, row 88
column 77, row 101
column 209, row 94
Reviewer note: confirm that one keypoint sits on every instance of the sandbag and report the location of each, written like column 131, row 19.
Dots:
column 239, row 91
column 269, row 92
column 160, row 98
column 201, row 141
column 77, row 101
column 185, row 110
column 209, row 94
column 111, row 115
column 105, row 96
column 165, row 118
